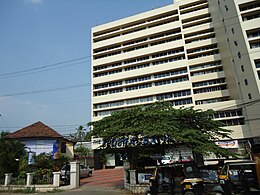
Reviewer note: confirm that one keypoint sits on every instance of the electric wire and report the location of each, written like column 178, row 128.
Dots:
column 46, row 90
column 45, row 70
column 44, row 66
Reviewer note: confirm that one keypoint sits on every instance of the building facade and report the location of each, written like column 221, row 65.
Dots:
column 201, row 53
column 39, row 138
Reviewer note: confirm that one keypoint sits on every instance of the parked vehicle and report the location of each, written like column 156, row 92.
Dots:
column 209, row 175
column 183, row 177
column 167, row 159
column 83, row 172
column 238, row 178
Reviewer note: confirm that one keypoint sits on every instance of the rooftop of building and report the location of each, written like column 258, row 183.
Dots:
column 36, row 130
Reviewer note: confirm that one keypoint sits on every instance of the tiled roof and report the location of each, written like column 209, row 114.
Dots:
column 36, row 130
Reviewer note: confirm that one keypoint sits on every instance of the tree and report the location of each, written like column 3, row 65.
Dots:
column 83, row 152
column 80, row 134
column 88, row 136
column 44, row 166
column 11, row 151
column 166, row 125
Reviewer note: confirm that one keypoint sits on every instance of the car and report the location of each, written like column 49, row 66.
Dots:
column 83, row 171
column 167, row 159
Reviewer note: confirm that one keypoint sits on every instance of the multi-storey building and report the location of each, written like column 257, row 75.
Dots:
column 201, row 53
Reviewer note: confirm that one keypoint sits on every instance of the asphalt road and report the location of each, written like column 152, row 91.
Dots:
column 84, row 190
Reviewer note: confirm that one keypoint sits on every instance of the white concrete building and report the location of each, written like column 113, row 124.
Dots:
column 201, row 53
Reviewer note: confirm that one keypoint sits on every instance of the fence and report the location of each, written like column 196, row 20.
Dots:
column 44, row 183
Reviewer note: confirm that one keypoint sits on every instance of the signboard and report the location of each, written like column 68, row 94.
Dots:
column 228, row 144
column 96, row 143
column 130, row 141
column 56, row 150
column 31, row 158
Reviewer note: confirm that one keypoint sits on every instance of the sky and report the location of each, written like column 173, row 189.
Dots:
column 45, row 58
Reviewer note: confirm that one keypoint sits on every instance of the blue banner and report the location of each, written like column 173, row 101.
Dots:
column 56, row 150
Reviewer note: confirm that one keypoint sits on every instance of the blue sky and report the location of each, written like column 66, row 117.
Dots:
column 36, row 37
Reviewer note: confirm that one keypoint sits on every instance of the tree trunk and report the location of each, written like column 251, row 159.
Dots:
column 132, row 154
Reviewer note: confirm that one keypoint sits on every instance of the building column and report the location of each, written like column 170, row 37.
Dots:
column 74, row 175
column 56, row 179
column 132, row 176
column 29, row 179
column 8, row 177
column 126, row 171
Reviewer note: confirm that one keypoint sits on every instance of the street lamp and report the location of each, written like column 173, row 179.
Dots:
column 31, row 156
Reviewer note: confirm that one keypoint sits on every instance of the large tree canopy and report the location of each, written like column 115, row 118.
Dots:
column 193, row 128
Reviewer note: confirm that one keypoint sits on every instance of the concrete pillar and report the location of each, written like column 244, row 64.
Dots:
column 29, row 179
column 126, row 171
column 132, row 176
column 8, row 177
column 56, row 179
column 74, row 174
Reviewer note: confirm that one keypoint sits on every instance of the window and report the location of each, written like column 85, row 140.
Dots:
column 249, row 96
column 257, row 63
column 246, row 82
column 228, row 113
column 207, row 71
column 235, row 42
column 164, row 96
column 218, row 63
column 182, row 102
column 63, row 147
column 253, row 33
column 255, row 45
column 239, row 55
column 251, row 16
column 226, row 8
column 232, row 29
column 242, row 68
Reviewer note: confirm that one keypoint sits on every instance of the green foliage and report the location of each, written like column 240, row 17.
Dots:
column 55, row 190
column 25, row 191
column 82, row 151
column 22, row 174
column 103, row 158
column 44, row 166
column 60, row 162
column 88, row 136
column 42, row 176
column 194, row 128
column 10, row 151
column 45, row 161
column 80, row 134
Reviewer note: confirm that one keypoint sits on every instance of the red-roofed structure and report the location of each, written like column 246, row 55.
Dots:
column 36, row 130
column 40, row 138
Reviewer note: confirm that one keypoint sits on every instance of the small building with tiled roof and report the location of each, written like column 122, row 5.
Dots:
column 40, row 138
